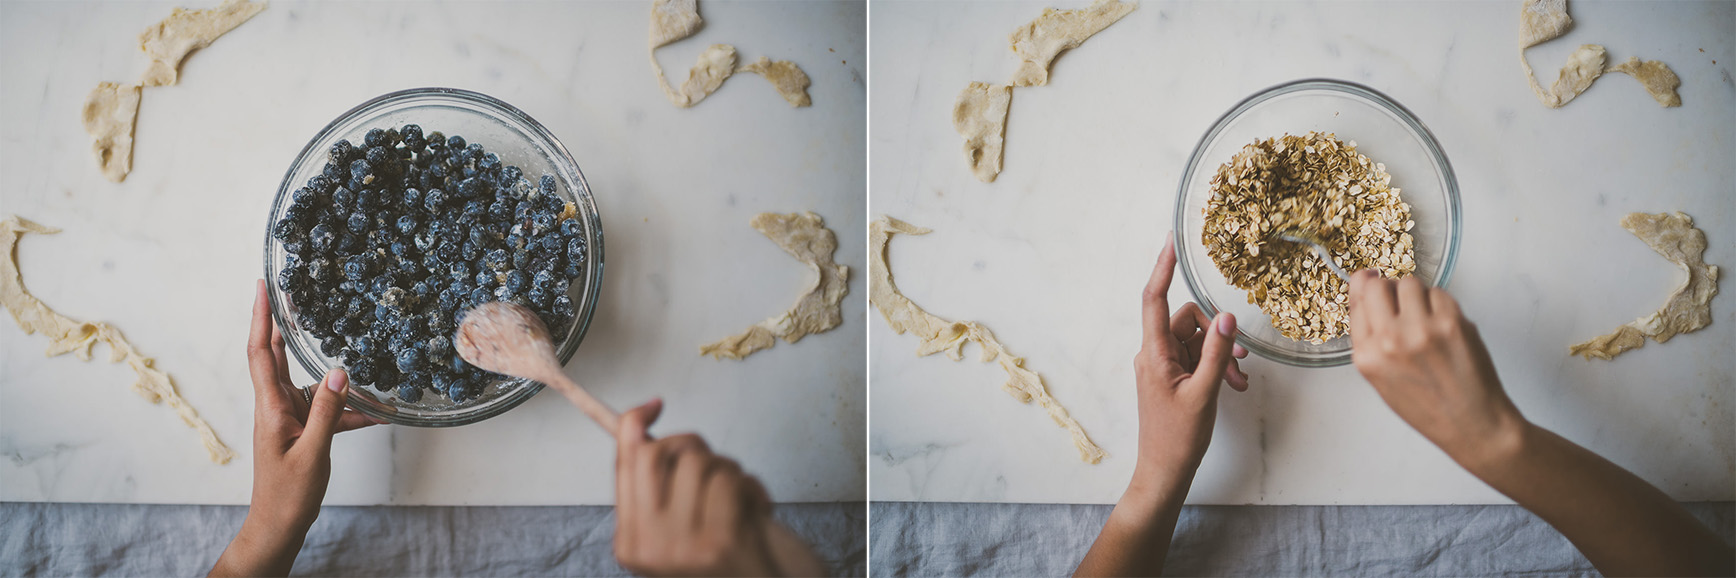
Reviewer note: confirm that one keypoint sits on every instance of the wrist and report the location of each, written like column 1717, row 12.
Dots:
column 1495, row 448
column 1157, row 485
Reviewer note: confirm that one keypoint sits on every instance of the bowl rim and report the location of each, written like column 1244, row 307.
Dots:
column 524, row 389
column 1448, row 261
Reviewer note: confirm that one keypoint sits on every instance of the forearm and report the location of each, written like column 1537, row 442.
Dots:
column 1622, row 524
column 1135, row 540
column 260, row 549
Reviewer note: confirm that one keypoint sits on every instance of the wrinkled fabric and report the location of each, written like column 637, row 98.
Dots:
column 919, row 539
column 38, row 539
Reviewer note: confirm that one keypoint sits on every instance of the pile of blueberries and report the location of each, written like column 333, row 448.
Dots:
column 397, row 238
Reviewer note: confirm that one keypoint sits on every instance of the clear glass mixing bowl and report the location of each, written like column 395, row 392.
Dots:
column 1383, row 129
column 519, row 141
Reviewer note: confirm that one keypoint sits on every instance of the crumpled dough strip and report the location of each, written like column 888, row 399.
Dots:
column 170, row 41
column 1544, row 20
column 980, row 116
column 789, row 80
column 67, row 335
column 1057, row 31
column 805, row 237
column 1689, row 307
column 109, row 116
column 950, row 336
column 673, row 20
column 1659, row 80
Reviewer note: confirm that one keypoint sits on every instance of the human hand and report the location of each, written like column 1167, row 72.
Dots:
column 681, row 510
column 1429, row 364
column 1177, row 371
column 291, row 453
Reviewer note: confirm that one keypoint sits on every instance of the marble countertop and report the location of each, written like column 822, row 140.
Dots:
column 1052, row 256
column 170, row 256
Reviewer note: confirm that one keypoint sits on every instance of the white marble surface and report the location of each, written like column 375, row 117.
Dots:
column 170, row 255
column 1053, row 255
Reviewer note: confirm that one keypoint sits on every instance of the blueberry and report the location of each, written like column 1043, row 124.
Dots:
column 331, row 347
column 570, row 228
column 498, row 260
column 375, row 137
column 456, row 142
column 363, row 345
column 410, row 393
column 341, row 151
column 547, row 186
column 355, row 269
column 517, row 282
column 412, row 199
column 542, row 223
column 489, row 162
column 407, row 224
column 424, row 240
column 481, row 295
column 378, row 157
column 511, row 175
column 358, row 222
column 433, row 199
column 285, row 231
column 320, row 271
column 545, row 279
column 401, row 248
column 576, row 251
column 410, row 359
column 343, row 197
column 362, row 371
column 288, row 279
column 334, row 171
column 563, row 305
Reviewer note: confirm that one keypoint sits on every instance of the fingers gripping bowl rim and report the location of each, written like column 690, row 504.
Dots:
column 1384, row 130
column 519, row 140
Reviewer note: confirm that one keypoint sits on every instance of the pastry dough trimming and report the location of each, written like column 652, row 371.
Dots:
column 1544, row 20
column 673, row 20
column 805, row 237
column 109, row 116
column 1055, row 31
column 980, row 116
column 1690, row 306
column 170, row 41
column 940, row 335
column 66, row 335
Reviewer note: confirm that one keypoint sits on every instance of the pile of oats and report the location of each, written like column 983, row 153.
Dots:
column 1319, row 185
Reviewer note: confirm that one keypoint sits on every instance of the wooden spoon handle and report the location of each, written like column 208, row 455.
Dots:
column 605, row 417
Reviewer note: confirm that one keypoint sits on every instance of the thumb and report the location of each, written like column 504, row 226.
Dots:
column 636, row 423
column 328, row 406
column 1215, row 354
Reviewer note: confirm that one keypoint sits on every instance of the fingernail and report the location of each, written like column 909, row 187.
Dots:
column 337, row 379
column 1227, row 325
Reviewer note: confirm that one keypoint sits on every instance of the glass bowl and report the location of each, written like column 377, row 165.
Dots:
column 519, row 141
column 1383, row 129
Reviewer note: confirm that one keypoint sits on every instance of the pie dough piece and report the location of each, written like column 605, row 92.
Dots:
column 1659, row 80
column 109, row 115
column 1690, row 306
column 1056, row 31
column 170, row 41
column 1544, row 20
column 67, row 335
column 805, row 237
column 980, row 116
column 939, row 335
column 789, row 80
column 673, row 20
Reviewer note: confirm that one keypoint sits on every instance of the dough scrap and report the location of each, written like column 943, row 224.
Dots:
column 1056, row 31
column 1544, row 20
column 184, row 31
column 789, row 80
column 980, row 116
column 77, row 337
column 1690, row 306
column 673, row 20
column 805, row 237
column 940, row 335
column 1656, row 77
column 109, row 116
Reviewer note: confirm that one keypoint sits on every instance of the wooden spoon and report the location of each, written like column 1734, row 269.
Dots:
column 509, row 339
